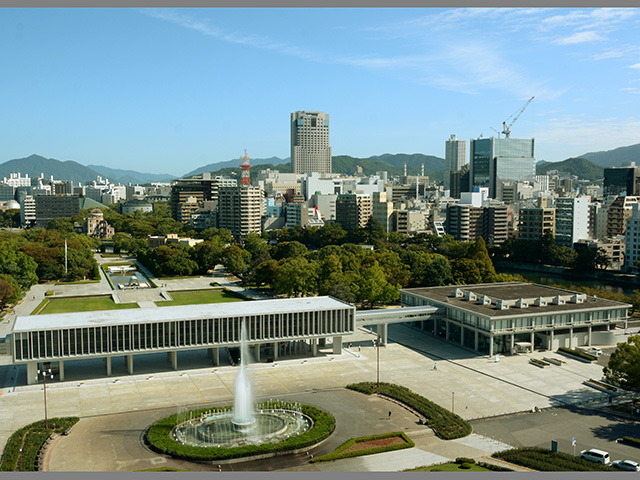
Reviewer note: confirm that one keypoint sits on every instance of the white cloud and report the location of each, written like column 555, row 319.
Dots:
column 581, row 37
column 637, row 66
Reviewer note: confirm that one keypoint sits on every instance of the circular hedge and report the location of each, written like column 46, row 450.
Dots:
column 159, row 437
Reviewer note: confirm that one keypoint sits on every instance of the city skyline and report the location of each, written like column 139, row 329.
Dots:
column 174, row 89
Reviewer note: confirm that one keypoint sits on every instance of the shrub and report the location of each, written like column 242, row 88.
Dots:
column 634, row 442
column 158, row 435
column 577, row 353
column 466, row 466
column 545, row 460
column 30, row 439
column 48, row 293
column 341, row 452
column 495, row 468
column 444, row 423
column 465, row 460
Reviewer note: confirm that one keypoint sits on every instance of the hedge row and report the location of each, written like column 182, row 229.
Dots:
column 158, row 435
column 545, row 460
column 31, row 439
column 340, row 451
column 577, row 353
column 634, row 442
column 445, row 424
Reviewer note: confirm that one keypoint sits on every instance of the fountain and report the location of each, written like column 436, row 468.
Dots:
column 246, row 423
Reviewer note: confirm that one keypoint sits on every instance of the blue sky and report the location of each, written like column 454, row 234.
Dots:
column 169, row 90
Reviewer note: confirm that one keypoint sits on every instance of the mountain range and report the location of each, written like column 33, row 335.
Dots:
column 588, row 166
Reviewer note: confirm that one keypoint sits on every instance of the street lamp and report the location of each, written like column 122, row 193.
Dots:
column 378, row 360
column 44, row 380
column 453, row 395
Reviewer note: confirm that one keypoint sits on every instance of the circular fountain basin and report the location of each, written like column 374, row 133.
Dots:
column 268, row 426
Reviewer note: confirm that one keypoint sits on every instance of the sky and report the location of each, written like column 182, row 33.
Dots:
column 170, row 90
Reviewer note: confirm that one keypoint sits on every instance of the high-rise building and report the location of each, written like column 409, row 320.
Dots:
column 49, row 207
column 353, row 210
column 466, row 223
column 240, row 210
column 572, row 220
column 382, row 210
column 496, row 160
column 632, row 240
column 189, row 194
column 619, row 211
column 622, row 181
column 310, row 150
column 455, row 157
column 534, row 223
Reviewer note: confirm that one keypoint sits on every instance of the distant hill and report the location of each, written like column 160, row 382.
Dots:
column 218, row 166
column 616, row 157
column 34, row 165
column 130, row 176
column 581, row 167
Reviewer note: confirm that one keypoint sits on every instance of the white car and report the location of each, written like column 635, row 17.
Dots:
column 595, row 351
column 627, row 465
column 595, row 455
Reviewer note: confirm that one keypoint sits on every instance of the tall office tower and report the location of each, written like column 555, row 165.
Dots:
column 459, row 181
column 189, row 194
column 455, row 156
column 622, row 181
column 353, row 210
column 382, row 210
column 240, row 210
column 632, row 240
column 49, row 207
column 496, row 160
column 310, row 150
column 572, row 220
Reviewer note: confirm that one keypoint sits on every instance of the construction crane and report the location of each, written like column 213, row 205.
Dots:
column 506, row 128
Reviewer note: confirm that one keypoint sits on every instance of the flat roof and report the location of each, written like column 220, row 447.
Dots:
column 512, row 291
column 101, row 318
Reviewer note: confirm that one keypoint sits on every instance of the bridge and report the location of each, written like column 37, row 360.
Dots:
column 382, row 318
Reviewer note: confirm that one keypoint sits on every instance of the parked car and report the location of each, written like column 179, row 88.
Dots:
column 595, row 455
column 595, row 351
column 628, row 465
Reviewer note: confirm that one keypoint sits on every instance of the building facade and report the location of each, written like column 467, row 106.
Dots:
column 499, row 318
column 49, row 207
column 310, row 149
column 466, row 223
column 353, row 210
column 617, row 214
column 534, row 223
column 572, row 220
column 455, row 157
column 240, row 210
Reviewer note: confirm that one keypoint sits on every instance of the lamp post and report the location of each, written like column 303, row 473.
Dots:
column 378, row 359
column 453, row 396
column 44, row 380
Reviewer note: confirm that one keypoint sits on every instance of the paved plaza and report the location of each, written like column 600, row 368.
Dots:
column 115, row 410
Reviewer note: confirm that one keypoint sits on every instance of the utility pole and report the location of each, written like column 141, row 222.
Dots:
column 378, row 356
column 44, row 380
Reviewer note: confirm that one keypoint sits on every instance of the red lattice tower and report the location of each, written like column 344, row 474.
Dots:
column 246, row 179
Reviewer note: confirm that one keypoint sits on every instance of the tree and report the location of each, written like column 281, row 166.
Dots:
column 298, row 277
column 236, row 260
column 372, row 287
column 18, row 265
column 465, row 271
column 624, row 364
column 207, row 255
column 438, row 272
column 10, row 291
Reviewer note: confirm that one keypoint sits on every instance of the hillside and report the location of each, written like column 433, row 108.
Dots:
column 219, row 166
column 131, row 176
column 616, row 157
column 35, row 165
column 583, row 168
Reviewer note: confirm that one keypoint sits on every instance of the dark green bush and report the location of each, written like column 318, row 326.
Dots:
column 31, row 438
column 545, row 460
column 634, row 442
column 495, row 468
column 445, row 424
column 340, row 451
column 158, row 435
column 577, row 353
column 466, row 466
column 465, row 460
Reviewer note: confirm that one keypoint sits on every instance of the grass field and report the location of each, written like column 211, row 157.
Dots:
column 201, row 296
column 81, row 304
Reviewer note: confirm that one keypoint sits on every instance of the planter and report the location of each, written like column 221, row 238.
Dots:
column 538, row 363
column 555, row 361
column 576, row 356
column 603, row 387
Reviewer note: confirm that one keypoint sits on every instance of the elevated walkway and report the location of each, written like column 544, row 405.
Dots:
column 382, row 318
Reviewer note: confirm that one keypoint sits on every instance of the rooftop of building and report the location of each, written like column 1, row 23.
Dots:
column 55, row 321
column 514, row 299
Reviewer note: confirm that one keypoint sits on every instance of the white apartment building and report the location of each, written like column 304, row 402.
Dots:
column 572, row 220
column 240, row 210
column 632, row 240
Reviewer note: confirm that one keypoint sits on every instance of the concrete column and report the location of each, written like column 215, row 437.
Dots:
column 533, row 339
column 512, row 342
column 551, row 340
column 491, row 345
column 476, row 341
column 276, row 348
column 589, row 335
column 384, row 331
column 314, row 347
column 322, row 342
column 173, row 359
column 32, row 373
column 256, row 352
column 129, row 359
column 209, row 352
column 446, row 322
column 107, row 363
column 570, row 337
column 337, row 345
column 461, row 335
column 216, row 356
column 61, row 370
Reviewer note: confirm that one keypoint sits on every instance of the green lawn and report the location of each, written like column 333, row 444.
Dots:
column 449, row 467
column 82, row 304
column 201, row 296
